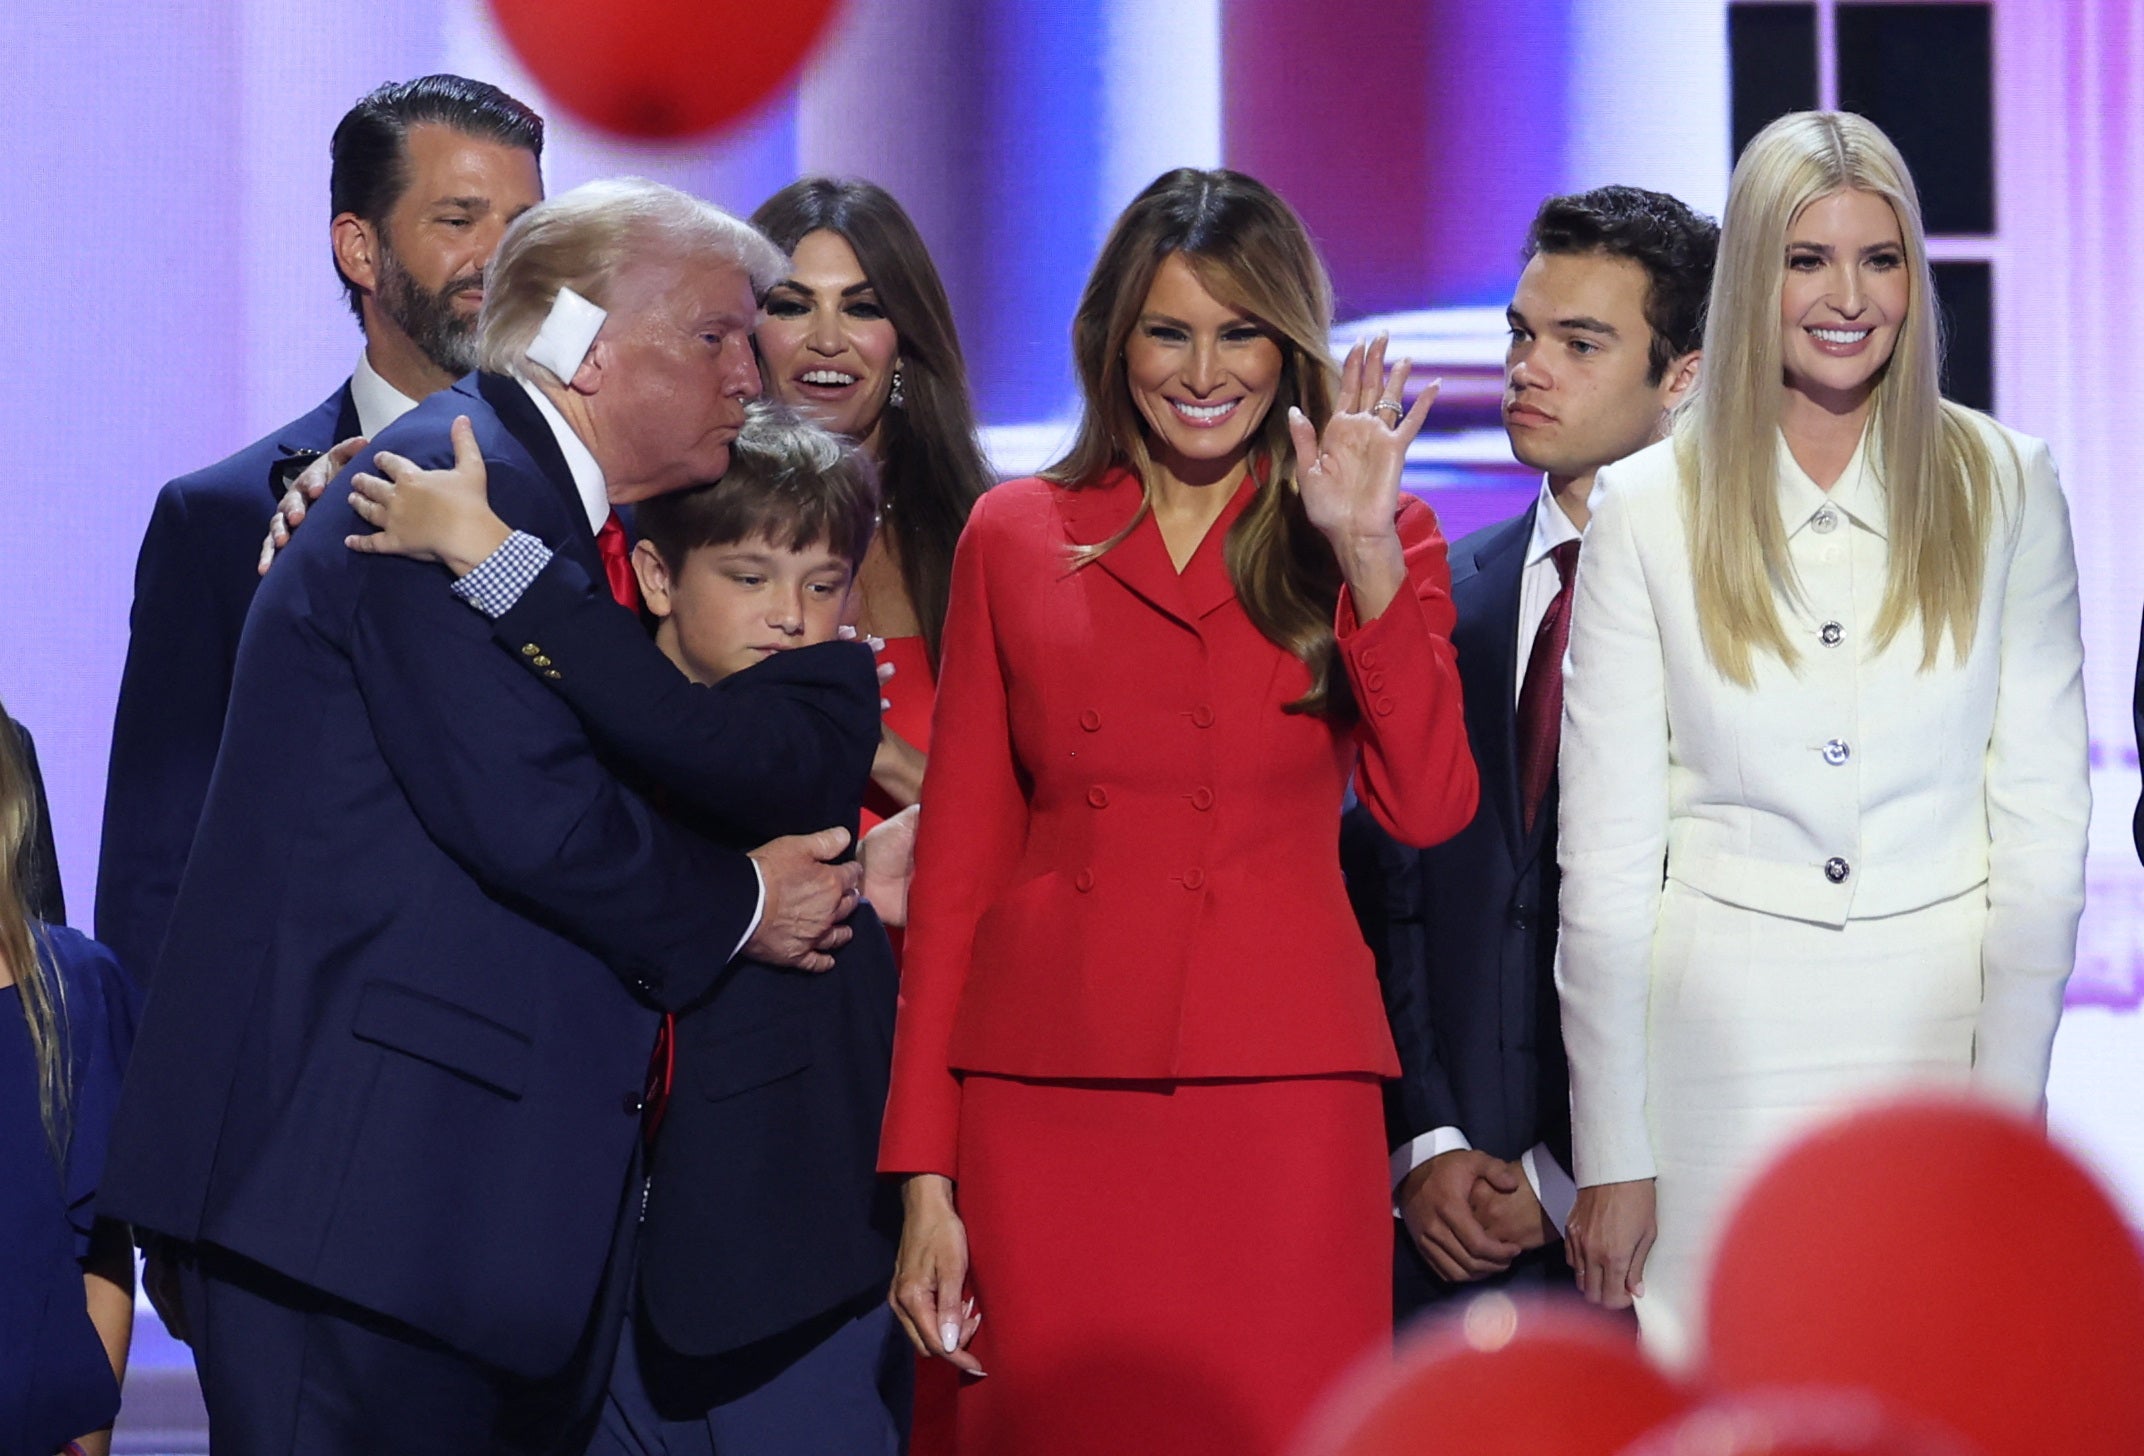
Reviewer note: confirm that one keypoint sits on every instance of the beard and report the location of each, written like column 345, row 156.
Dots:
column 433, row 324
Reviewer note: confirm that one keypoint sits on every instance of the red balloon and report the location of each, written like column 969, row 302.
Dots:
column 1513, row 1378
column 1803, row 1422
column 662, row 69
column 1950, row 1258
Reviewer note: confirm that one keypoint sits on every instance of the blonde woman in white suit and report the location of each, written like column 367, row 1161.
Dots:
column 1824, row 670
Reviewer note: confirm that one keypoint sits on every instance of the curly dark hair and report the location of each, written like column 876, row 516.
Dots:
column 1675, row 246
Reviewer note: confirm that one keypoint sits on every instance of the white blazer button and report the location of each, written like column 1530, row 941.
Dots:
column 1836, row 870
column 1831, row 634
column 1837, row 752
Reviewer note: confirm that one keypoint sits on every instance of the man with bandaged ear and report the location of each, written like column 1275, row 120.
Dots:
column 396, row 1077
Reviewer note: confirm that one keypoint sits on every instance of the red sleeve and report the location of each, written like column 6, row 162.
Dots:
column 1416, row 771
column 968, row 840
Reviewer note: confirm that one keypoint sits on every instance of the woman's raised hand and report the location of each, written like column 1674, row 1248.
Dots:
column 430, row 515
column 1349, row 474
column 928, row 1274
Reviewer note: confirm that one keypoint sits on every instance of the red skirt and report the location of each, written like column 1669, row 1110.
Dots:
column 1168, row 1267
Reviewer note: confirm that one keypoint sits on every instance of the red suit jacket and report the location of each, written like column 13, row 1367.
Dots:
column 1128, row 865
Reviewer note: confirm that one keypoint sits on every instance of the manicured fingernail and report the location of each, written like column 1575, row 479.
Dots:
column 949, row 1336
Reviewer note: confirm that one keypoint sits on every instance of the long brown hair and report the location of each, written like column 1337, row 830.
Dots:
column 1252, row 253
column 1938, row 477
column 931, row 465
column 38, row 993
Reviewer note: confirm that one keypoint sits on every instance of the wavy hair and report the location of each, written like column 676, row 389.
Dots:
column 1938, row 476
column 38, row 993
column 931, row 465
column 1252, row 253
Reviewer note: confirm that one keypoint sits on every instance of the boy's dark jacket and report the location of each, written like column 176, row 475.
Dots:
column 764, row 1209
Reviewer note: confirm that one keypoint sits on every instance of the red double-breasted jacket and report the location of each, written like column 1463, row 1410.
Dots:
column 1127, row 864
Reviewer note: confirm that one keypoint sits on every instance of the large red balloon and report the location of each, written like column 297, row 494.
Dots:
column 1949, row 1257
column 1507, row 1378
column 1801, row 1422
column 662, row 69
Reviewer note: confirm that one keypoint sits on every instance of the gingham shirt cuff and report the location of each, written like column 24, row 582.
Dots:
column 501, row 578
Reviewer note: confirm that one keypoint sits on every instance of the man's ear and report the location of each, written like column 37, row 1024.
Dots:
column 1681, row 378
column 595, row 364
column 654, row 575
column 357, row 250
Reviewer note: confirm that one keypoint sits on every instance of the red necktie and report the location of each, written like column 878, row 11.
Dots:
column 617, row 563
column 662, row 1066
column 1541, row 695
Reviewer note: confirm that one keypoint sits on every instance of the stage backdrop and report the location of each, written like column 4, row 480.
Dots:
column 167, row 294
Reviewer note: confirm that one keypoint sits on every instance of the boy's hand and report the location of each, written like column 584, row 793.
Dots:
column 807, row 899
column 889, row 860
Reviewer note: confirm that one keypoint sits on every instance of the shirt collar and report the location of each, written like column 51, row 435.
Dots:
column 1551, row 526
column 378, row 403
column 587, row 474
column 1857, row 493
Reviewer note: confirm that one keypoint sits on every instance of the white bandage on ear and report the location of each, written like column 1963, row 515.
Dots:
column 567, row 335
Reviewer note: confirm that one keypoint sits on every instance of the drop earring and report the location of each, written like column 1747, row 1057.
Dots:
column 895, row 399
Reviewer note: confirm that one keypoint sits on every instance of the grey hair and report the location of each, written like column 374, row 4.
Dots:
column 586, row 240
column 777, row 442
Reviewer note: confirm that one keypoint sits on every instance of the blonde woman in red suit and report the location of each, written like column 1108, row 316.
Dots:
column 1136, row 1072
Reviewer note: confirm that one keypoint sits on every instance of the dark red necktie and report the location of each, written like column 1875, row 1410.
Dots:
column 617, row 563
column 662, row 1066
column 1541, row 695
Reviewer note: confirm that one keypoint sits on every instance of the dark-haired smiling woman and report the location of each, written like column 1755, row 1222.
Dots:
column 1136, row 1075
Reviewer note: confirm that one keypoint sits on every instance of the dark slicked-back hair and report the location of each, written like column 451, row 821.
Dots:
column 789, row 483
column 369, row 156
column 1673, row 244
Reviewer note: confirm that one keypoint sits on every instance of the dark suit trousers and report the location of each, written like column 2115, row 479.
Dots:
column 287, row 1369
column 1418, row 1289
column 838, row 1384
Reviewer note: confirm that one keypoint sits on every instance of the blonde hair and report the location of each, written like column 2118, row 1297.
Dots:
column 1938, row 477
column 588, row 240
column 40, row 995
column 1252, row 253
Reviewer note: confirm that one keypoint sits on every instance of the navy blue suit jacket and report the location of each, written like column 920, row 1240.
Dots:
column 406, row 1001
column 193, row 581
column 1465, row 933
column 764, row 1209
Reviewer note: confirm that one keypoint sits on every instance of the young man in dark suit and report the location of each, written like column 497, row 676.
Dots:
column 390, row 1086
column 1606, row 325
column 425, row 176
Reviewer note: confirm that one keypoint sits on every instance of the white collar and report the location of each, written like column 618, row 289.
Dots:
column 378, row 403
column 1551, row 526
column 587, row 474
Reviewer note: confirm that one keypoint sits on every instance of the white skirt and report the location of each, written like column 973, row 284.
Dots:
column 1761, row 1026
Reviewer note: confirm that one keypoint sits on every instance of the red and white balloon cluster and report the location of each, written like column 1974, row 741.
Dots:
column 1920, row 1279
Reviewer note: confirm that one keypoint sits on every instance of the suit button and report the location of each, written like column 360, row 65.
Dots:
column 1367, row 657
column 1522, row 919
column 1202, row 716
column 1383, row 707
column 1374, row 681
column 1836, row 870
column 1194, row 878
column 1831, row 634
column 530, row 649
column 1826, row 520
column 1202, row 798
column 540, row 660
column 1097, row 797
column 1083, row 881
column 634, row 1104
column 1837, row 752
column 553, row 674
column 1091, row 721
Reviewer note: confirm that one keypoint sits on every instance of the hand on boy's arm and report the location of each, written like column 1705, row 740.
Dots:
column 807, row 899
column 888, row 854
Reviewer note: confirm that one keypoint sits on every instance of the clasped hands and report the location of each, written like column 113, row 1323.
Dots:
column 1470, row 1213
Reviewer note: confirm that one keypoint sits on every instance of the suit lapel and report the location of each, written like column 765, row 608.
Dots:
column 1487, row 635
column 519, row 415
column 1141, row 560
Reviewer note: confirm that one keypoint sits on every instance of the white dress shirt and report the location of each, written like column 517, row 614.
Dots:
column 1539, row 581
column 378, row 403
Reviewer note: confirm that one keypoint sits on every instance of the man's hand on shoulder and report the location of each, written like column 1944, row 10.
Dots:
column 1436, row 1204
column 807, row 900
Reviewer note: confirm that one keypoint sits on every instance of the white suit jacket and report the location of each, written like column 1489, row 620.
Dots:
column 1849, row 786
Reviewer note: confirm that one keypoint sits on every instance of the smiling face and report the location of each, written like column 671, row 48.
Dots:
column 1576, row 392
column 675, row 372
column 1844, row 297
column 1202, row 375
column 731, row 606
column 828, row 347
